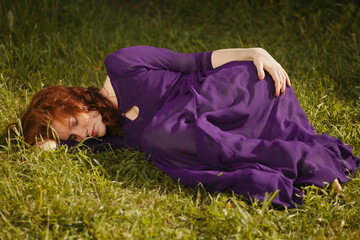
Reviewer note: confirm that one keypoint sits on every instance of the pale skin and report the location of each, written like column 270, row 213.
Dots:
column 87, row 123
column 83, row 125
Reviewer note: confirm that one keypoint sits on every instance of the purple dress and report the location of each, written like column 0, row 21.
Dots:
column 222, row 127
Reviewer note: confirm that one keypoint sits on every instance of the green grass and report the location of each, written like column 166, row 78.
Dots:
column 121, row 195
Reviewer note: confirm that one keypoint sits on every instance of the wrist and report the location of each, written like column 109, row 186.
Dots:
column 256, row 52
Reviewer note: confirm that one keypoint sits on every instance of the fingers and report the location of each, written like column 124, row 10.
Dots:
column 281, row 79
column 260, row 70
column 278, row 84
column 279, row 75
column 287, row 79
column 281, row 82
column 283, row 85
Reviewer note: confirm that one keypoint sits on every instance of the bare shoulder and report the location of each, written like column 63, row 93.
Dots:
column 108, row 91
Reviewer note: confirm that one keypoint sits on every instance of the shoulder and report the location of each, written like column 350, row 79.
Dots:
column 108, row 92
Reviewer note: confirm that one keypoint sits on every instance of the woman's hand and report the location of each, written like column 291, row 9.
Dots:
column 264, row 61
column 47, row 145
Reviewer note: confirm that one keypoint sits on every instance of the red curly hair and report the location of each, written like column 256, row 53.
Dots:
column 56, row 102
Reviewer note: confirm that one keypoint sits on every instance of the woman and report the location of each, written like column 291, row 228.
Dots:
column 203, row 118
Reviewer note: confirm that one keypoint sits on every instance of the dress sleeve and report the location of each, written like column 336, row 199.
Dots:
column 127, row 60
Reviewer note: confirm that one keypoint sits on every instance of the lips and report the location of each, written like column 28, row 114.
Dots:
column 93, row 133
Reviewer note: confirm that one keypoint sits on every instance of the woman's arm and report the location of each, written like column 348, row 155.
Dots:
column 262, row 60
column 140, row 59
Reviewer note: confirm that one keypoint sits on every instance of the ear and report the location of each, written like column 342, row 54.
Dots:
column 47, row 145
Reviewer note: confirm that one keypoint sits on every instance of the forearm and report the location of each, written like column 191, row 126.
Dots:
column 223, row 56
column 262, row 61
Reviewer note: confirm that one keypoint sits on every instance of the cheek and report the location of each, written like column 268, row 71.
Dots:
column 99, row 118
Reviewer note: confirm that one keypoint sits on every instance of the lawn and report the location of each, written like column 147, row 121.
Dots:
column 119, row 194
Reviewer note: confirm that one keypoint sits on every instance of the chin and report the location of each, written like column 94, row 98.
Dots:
column 102, row 131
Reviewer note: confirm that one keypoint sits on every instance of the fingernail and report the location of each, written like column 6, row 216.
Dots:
column 261, row 77
column 276, row 95
column 283, row 91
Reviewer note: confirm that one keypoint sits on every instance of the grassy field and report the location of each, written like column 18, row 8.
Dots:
column 119, row 194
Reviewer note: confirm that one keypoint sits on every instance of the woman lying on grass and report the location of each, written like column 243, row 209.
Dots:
column 202, row 118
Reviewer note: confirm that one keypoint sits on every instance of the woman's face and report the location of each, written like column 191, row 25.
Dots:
column 80, row 126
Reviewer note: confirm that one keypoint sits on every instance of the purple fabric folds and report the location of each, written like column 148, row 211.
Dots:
column 222, row 127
